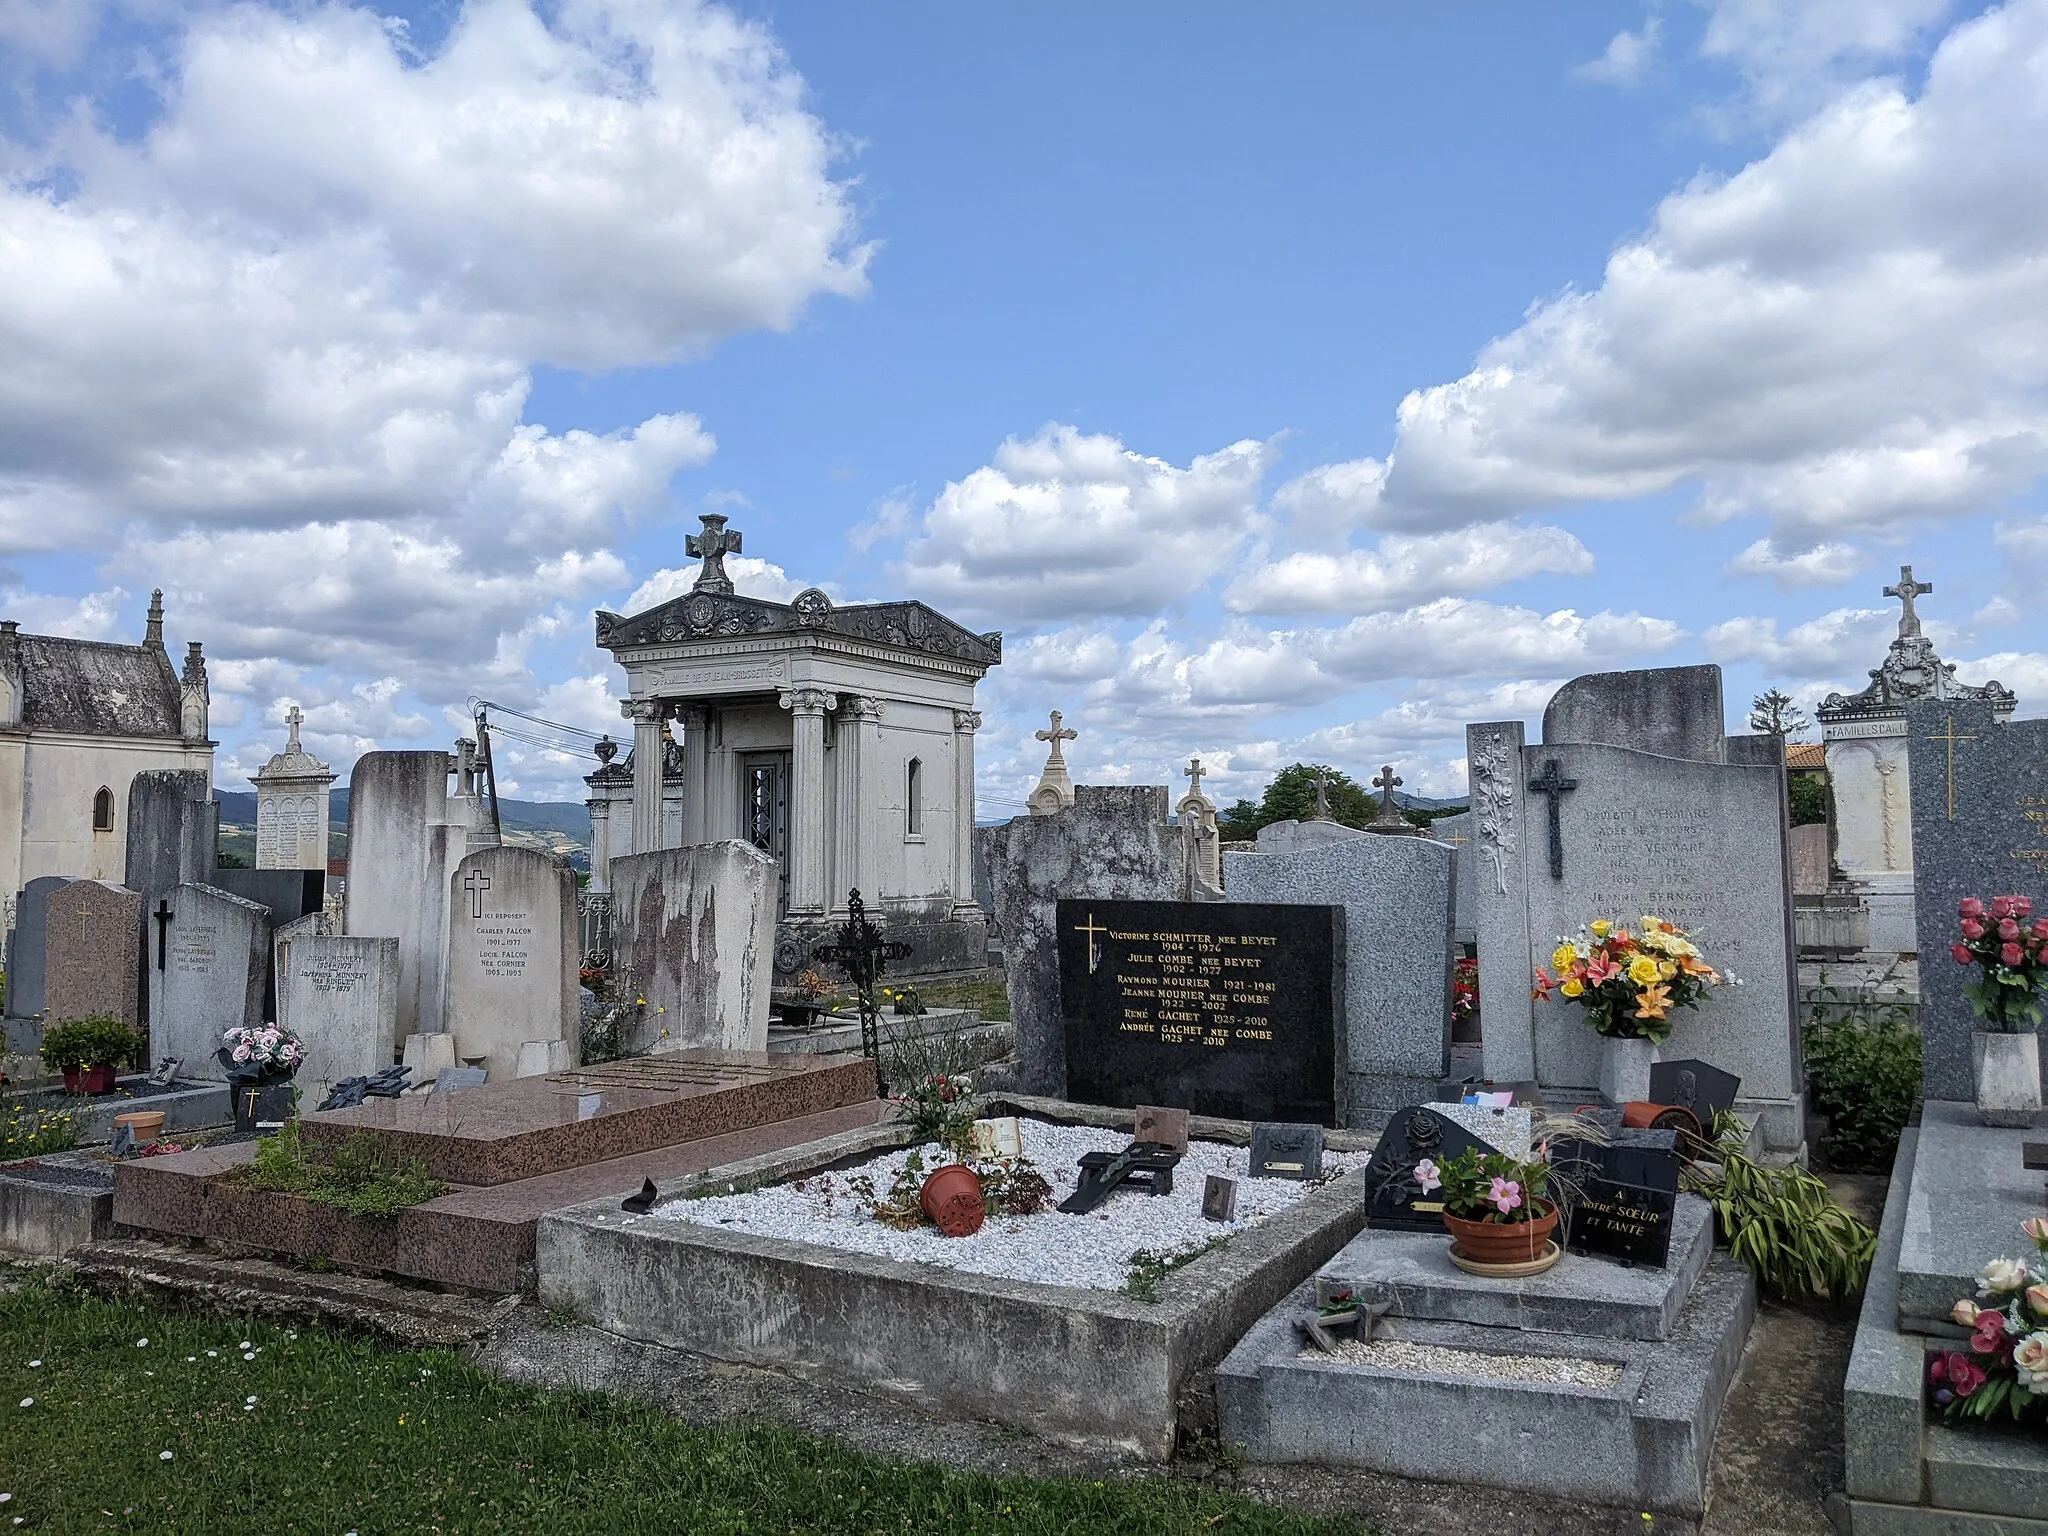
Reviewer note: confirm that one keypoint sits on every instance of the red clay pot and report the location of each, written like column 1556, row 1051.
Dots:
column 1503, row 1242
column 74, row 1079
column 99, row 1078
column 952, row 1198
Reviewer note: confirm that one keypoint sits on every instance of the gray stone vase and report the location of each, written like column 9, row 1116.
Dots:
column 1625, row 1069
column 2007, row 1072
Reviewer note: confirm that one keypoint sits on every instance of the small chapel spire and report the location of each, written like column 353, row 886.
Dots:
column 153, row 635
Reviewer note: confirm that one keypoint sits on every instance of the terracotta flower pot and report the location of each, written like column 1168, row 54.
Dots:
column 952, row 1198
column 99, row 1078
column 148, row 1125
column 1503, row 1242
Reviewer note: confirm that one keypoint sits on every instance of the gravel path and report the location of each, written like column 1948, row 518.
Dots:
column 1092, row 1251
column 1433, row 1360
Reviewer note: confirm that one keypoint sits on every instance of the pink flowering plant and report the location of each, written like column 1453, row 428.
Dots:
column 1490, row 1186
column 2011, row 945
column 259, row 1053
column 2004, row 1367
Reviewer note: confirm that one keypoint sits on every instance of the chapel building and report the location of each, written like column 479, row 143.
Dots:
column 79, row 719
column 838, row 738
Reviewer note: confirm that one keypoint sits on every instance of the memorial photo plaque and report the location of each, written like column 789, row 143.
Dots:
column 1287, row 1151
column 1695, row 1085
column 1219, row 1197
column 1226, row 1008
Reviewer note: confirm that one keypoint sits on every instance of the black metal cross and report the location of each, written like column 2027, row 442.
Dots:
column 859, row 950
column 164, row 918
column 1555, row 788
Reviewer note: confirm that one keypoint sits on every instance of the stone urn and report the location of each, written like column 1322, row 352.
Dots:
column 1625, row 1063
column 2007, row 1070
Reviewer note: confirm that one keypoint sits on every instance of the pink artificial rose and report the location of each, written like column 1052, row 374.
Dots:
column 2010, row 954
column 2008, row 929
column 1970, row 906
column 1965, row 1312
column 2036, row 1227
column 1988, row 1337
column 1972, row 929
column 1962, row 953
column 2023, row 906
column 1964, row 1374
column 241, row 1053
column 2037, row 1299
column 2001, row 906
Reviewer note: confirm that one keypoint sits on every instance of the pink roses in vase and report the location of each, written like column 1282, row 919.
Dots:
column 2011, row 944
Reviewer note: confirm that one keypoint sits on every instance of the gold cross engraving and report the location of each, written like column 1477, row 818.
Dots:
column 1951, row 736
column 1091, row 928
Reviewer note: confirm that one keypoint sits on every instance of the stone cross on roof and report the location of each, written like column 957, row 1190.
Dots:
column 1322, row 810
column 293, row 720
column 712, row 546
column 1194, row 776
column 1057, row 734
column 1905, row 592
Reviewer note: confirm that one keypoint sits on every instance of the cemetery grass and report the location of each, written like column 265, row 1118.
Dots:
column 311, row 1431
column 986, row 993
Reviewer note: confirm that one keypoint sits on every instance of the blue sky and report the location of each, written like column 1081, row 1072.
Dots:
column 1296, row 387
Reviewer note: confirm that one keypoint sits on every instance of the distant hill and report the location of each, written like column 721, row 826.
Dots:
column 557, row 826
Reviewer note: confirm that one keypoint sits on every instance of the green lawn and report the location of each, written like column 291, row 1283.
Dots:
column 987, row 994
column 327, row 1434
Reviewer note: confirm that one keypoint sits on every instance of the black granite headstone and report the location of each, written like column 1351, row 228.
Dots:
column 1227, row 1008
column 1393, row 1198
column 1695, row 1085
column 1618, row 1199
column 290, row 894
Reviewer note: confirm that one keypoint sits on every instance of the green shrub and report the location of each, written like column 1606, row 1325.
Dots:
column 1782, row 1222
column 89, row 1042
column 353, row 1177
column 1863, row 1074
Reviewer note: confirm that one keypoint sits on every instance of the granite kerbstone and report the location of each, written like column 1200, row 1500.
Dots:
column 1885, row 1389
column 1668, row 711
column 173, row 830
column 26, row 943
column 521, row 1127
column 1643, row 1443
column 512, row 961
column 59, row 1204
column 1580, row 1295
column 339, row 995
column 1112, row 843
column 208, row 971
column 1396, row 894
column 1986, row 1473
column 1970, row 1193
column 1910, row 1520
column 92, row 951
column 694, row 934
column 1990, row 840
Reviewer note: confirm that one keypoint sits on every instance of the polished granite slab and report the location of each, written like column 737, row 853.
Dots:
column 500, row 1132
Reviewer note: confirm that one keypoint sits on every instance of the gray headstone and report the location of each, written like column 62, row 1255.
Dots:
column 448, row 1079
column 512, row 960
column 1112, row 843
column 1297, row 836
column 400, row 851
column 1667, row 711
column 173, row 830
column 339, row 995
column 693, row 930
column 289, row 894
column 92, row 948
column 1396, row 896
column 1810, row 859
column 1980, row 828
column 1696, row 839
column 208, row 970
column 1457, row 833
column 25, row 947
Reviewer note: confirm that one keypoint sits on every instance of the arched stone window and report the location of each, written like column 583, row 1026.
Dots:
column 103, row 810
column 913, row 798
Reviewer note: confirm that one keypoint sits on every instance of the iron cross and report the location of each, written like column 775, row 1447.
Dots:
column 1554, row 788
column 476, row 882
column 164, row 918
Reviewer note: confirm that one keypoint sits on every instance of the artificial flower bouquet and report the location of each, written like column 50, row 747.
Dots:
column 1491, row 1187
column 2005, row 1367
column 1464, row 989
column 2014, row 954
column 1629, row 983
column 259, row 1054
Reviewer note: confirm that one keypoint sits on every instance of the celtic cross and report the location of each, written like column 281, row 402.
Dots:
column 1905, row 592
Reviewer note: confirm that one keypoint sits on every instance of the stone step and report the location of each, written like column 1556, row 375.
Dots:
column 1988, row 1469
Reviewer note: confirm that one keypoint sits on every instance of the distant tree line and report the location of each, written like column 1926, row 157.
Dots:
column 1292, row 797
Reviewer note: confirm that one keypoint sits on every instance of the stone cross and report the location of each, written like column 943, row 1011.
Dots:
column 1057, row 734
column 84, row 916
column 1194, row 776
column 1905, row 592
column 1322, row 810
column 1554, row 787
column 712, row 546
column 1387, row 781
column 293, row 719
column 476, row 882
column 164, row 918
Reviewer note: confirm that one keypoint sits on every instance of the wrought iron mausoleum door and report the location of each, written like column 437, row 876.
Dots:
column 764, row 783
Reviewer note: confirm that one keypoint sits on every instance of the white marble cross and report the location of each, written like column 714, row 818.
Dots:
column 1194, row 776
column 1056, row 735
column 294, row 720
column 1905, row 592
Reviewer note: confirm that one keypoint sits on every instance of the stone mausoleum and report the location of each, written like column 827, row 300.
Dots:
column 1865, row 736
column 839, row 739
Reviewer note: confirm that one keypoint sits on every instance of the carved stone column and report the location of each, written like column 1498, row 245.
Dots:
column 696, row 773
column 858, row 721
column 807, row 825
column 646, row 715
column 965, row 723
column 600, row 846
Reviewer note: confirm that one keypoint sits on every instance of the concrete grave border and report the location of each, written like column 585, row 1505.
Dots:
column 1065, row 1362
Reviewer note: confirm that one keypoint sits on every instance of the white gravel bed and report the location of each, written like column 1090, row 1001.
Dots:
column 1392, row 1355
column 1092, row 1251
